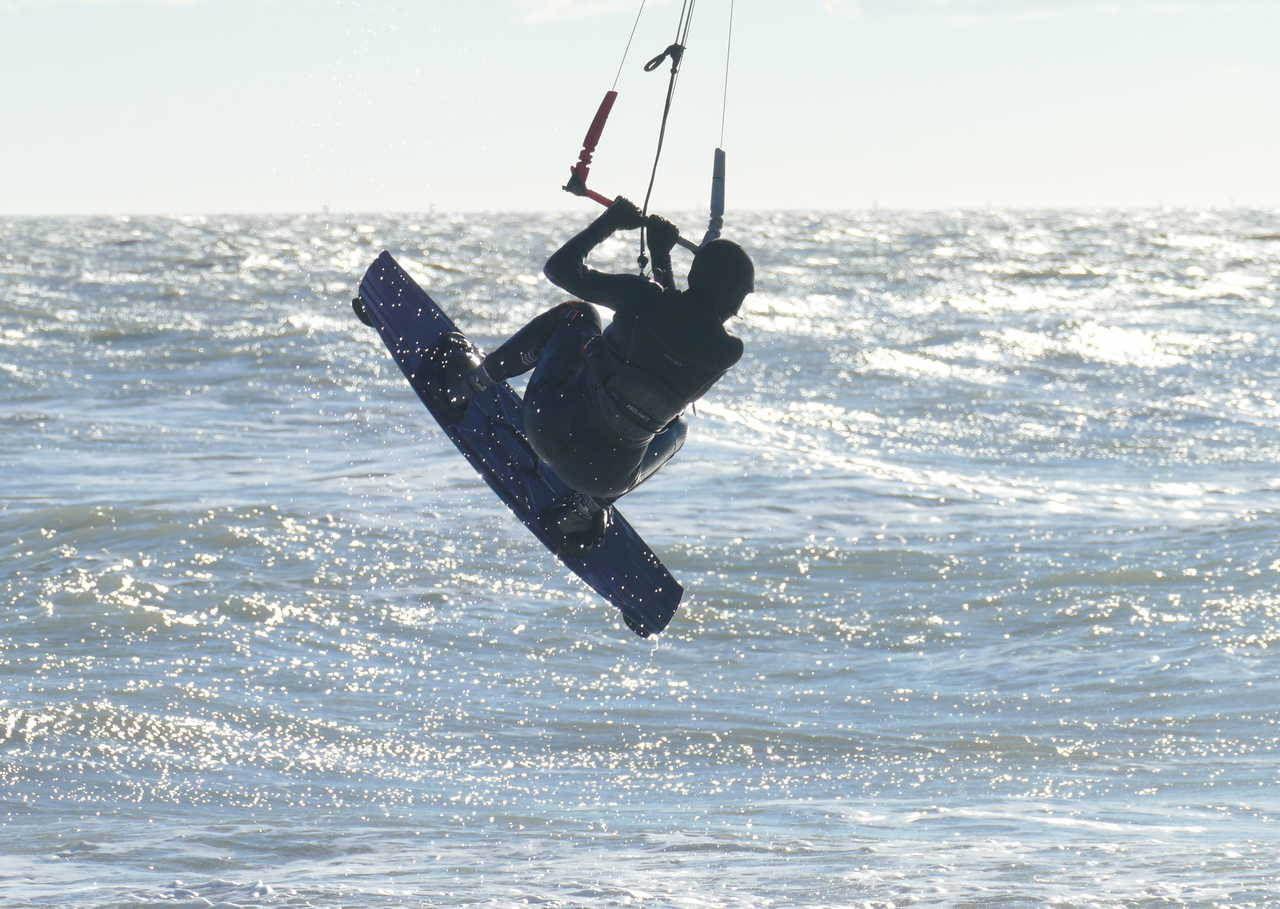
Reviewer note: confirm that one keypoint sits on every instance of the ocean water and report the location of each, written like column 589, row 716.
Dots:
column 979, row 543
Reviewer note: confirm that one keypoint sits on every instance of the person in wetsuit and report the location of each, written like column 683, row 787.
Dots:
column 603, row 406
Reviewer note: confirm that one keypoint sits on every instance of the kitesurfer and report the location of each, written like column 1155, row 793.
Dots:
column 603, row 405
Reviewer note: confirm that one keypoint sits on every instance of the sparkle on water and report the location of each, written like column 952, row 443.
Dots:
column 979, row 544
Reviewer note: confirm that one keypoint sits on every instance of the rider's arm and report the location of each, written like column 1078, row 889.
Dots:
column 567, row 268
column 662, row 237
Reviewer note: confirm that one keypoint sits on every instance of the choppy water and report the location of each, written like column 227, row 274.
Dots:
column 980, row 542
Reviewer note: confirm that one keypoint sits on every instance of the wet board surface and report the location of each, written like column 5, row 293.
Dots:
column 622, row 568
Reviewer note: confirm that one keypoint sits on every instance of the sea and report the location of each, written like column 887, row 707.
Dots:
column 980, row 543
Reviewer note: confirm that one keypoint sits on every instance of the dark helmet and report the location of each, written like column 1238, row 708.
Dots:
column 723, row 274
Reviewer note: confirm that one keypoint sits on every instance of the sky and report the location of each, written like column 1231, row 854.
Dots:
column 227, row 106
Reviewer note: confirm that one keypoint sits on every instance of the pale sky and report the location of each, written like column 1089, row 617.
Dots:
column 219, row 106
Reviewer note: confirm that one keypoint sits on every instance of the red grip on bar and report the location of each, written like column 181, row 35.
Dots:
column 581, row 169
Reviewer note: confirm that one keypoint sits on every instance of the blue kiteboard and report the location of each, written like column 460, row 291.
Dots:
column 622, row 569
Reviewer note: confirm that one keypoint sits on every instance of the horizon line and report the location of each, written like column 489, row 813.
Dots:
column 433, row 211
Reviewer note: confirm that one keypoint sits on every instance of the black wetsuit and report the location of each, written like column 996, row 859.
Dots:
column 602, row 408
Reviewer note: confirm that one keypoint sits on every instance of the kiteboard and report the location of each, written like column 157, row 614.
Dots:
column 490, row 434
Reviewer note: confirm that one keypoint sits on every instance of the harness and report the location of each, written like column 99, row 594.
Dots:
column 635, row 403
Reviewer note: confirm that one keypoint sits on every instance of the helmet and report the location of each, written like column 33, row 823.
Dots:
column 722, row 273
